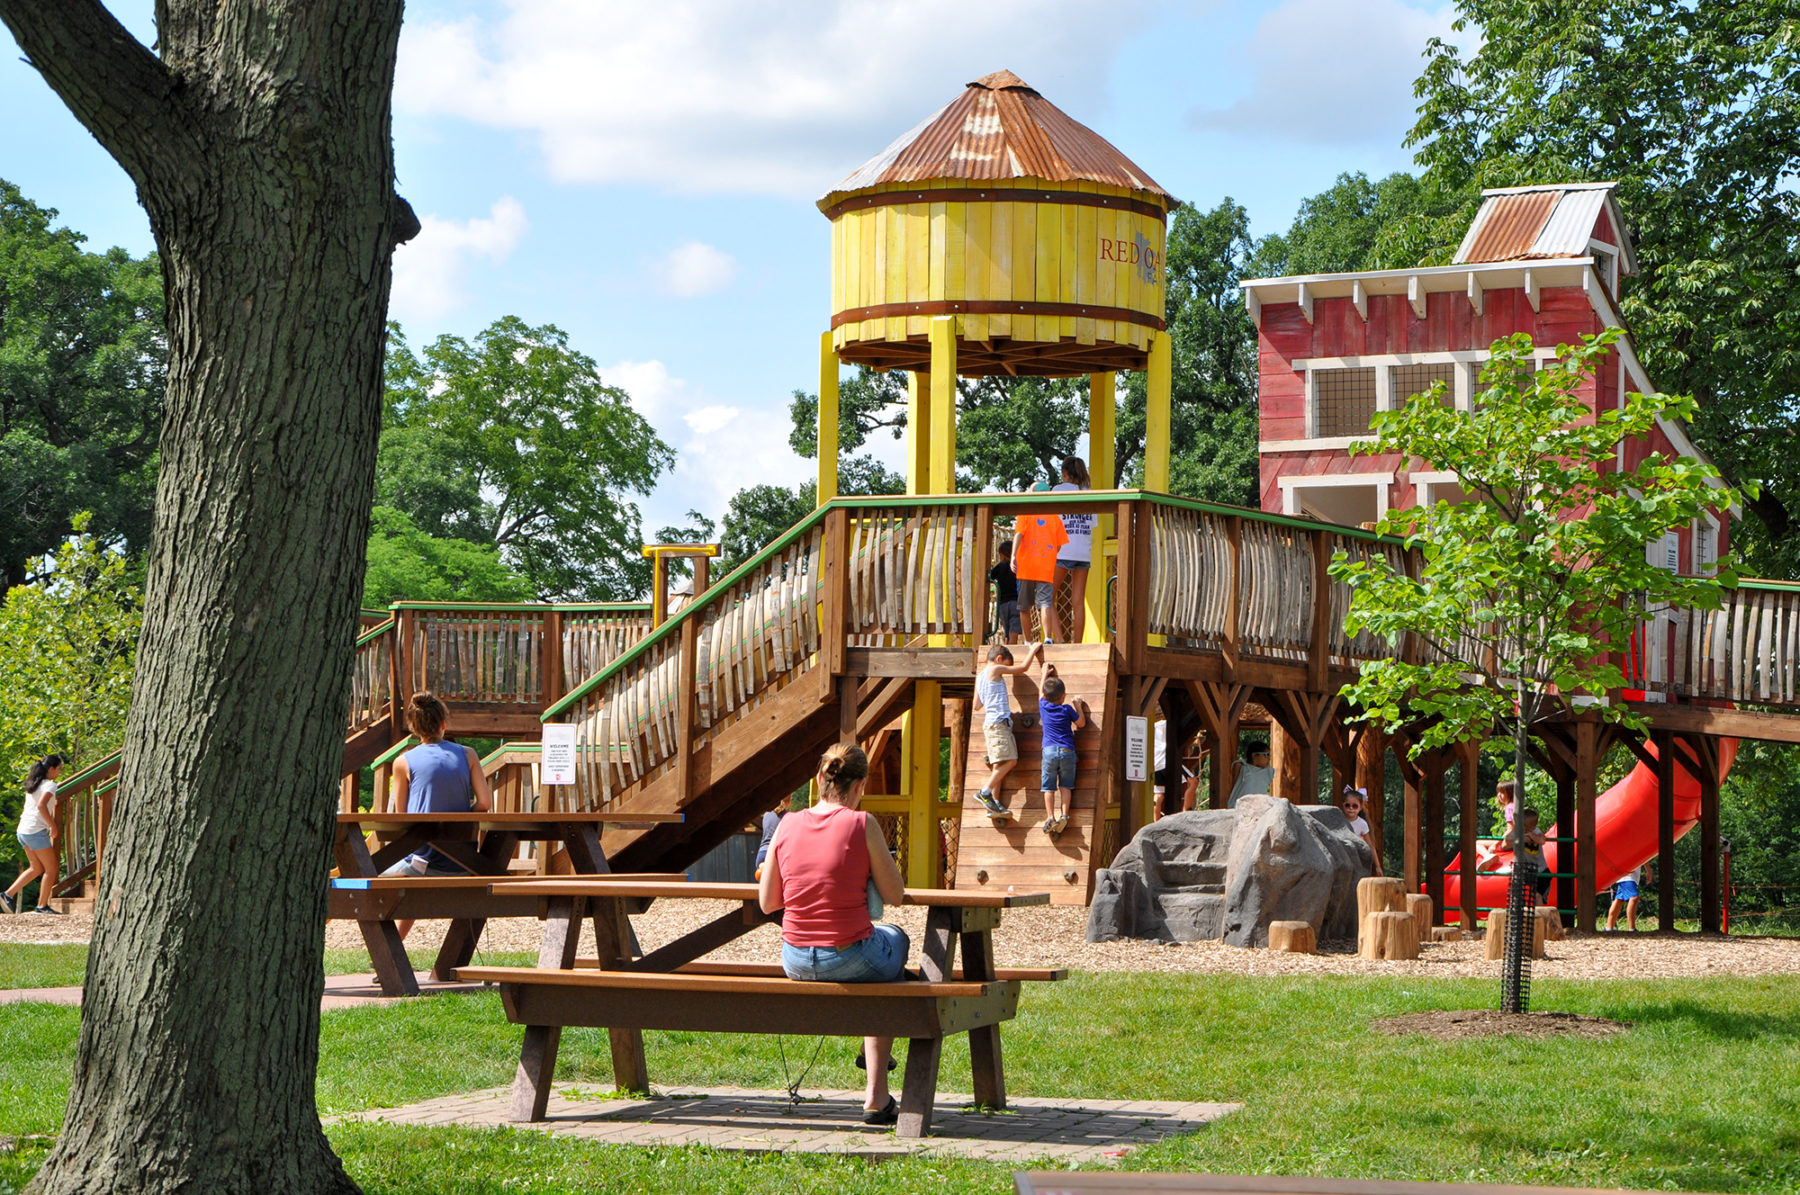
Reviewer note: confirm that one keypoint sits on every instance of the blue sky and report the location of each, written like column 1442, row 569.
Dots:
column 643, row 174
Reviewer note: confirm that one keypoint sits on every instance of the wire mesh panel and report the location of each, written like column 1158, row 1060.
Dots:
column 1344, row 400
column 1410, row 380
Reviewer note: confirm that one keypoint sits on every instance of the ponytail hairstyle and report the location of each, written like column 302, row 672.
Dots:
column 426, row 715
column 36, row 774
column 841, row 767
column 1075, row 470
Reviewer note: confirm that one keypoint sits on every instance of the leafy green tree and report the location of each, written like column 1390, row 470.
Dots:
column 405, row 564
column 1693, row 109
column 1355, row 224
column 515, row 442
column 82, row 353
column 1212, row 400
column 67, row 644
column 1528, row 584
column 870, row 400
column 759, row 514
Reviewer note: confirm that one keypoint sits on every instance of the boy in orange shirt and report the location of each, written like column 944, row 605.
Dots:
column 1036, row 538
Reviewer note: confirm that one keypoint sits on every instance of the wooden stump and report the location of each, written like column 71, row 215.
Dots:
column 1390, row 935
column 1376, row 894
column 1293, row 937
column 1550, row 922
column 1496, row 936
column 1419, row 905
column 1446, row 933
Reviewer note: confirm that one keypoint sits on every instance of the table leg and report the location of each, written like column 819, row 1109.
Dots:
column 918, row 1092
column 387, row 954
column 612, row 942
column 937, row 953
column 537, row 1055
column 984, row 1042
column 464, row 934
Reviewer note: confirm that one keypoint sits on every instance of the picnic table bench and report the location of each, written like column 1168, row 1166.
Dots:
column 481, row 842
column 672, row 987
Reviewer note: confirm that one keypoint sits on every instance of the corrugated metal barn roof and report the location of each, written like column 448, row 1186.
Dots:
column 1525, row 223
column 999, row 128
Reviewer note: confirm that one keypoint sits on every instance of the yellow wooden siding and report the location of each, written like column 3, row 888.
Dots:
column 997, row 251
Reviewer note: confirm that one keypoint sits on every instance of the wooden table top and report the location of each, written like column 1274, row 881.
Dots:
column 681, row 890
column 532, row 883
column 507, row 821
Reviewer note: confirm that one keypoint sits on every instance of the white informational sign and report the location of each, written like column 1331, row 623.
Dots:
column 1137, row 749
column 557, row 763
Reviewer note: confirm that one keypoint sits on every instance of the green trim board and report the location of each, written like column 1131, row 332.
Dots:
column 82, row 777
column 395, row 752
column 374, row 633
column 512, row 749
column 528, row 607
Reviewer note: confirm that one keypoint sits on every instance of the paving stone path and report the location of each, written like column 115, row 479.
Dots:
column 1063, row 1131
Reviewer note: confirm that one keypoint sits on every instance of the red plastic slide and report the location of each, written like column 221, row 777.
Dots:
column 1624, row 833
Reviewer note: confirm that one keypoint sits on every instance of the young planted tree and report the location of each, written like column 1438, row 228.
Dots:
column 259, row 139
column 1525, row 593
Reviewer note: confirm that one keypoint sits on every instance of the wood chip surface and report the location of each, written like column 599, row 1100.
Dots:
column 1054, row 937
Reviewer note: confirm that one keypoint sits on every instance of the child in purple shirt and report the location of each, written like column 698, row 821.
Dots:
column 1060, row 722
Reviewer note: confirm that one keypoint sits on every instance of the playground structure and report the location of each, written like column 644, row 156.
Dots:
column 999, row 236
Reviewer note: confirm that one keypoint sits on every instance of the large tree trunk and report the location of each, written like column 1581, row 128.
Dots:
column 262, row 150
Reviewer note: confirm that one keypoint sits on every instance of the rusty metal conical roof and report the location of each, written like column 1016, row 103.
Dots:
column 999, row 128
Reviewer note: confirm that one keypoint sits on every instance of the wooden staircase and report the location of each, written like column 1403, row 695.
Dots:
column 1020, row 856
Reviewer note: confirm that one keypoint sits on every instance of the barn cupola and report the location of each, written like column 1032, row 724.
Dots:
column 1564, row 221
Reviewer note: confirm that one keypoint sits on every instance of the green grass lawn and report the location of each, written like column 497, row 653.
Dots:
column 23, row 965
column 1703, row 1094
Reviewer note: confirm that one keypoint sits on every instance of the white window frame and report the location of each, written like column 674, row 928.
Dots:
column 1424, row 480
column 1290, row 498
column 1469, row 362
column 1705, row 530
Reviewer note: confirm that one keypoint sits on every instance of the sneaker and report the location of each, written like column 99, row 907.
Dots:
column 993, row 807
column 47, row 909
column 8, row 903
column 1057, row 825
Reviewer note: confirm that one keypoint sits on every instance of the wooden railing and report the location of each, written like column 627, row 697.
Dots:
column 1747, row 651
column 372, row 677
column 83, row 810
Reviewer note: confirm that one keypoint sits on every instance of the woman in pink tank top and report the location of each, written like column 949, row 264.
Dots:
column 818, row 873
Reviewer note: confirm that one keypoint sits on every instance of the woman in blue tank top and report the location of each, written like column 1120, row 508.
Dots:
column 438, row 777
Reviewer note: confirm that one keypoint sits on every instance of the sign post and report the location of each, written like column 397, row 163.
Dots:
column 556, row 765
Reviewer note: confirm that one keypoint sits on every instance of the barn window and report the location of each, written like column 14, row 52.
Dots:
column 1417, row 379
column 1344, row 400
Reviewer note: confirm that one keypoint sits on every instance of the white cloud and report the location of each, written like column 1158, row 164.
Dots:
column 1328, row 72
column 694, row 268
column 723, row 96
column 429, row 269
column 720, row 448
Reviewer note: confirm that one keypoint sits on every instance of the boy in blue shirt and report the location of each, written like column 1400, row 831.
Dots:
column 1060, row 720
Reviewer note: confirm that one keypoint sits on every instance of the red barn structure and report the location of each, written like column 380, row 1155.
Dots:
column 1333, row 349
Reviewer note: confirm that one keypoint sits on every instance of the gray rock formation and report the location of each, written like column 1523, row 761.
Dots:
column 1227, row 873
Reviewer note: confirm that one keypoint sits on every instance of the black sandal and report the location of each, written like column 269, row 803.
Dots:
column 881, row 1117
column 862, row 1063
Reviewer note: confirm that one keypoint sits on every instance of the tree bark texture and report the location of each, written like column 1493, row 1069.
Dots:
column 261, row 147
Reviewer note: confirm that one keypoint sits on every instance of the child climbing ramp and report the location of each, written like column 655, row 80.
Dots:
column 1015, row 852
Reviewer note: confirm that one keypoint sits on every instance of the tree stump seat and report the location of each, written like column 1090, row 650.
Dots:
column 1390, row 935
column 1293, row 937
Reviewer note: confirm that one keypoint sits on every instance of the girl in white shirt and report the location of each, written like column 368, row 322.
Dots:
column 1076, row 556
column 1359, row 825
column 38, row 834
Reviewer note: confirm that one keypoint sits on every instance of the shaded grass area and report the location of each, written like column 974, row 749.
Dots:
column 28, row 965
column 1702, row 1094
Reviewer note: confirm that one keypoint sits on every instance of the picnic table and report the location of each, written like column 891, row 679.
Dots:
column 483, row 844
column 673, row 987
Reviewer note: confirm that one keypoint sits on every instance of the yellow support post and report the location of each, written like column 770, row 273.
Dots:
column 1156, row 415
column 921, row 729
column 918, row 432
column 828, row 420
column 943, row 405
column 1102, row 474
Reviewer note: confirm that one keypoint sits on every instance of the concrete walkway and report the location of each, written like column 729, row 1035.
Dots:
column 341, row 991
column 1063, row 1131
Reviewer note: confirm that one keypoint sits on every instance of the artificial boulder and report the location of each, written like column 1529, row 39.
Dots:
column 1228, row 873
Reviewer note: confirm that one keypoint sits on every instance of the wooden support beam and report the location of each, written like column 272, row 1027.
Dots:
column 686, row 710
column 1371, row 777
column 1413, row 779
column 828, row 426
column 1415, row 294
column 1359, row 298
column 1434, row 837
column 1587, row 767
column 1708, row 751
column 1319, row 651
column 1665, row 831
column 1469, row 776
column 984, row 555
column 1565, row 821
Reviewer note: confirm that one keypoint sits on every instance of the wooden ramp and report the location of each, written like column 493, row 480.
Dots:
column 1021, row 856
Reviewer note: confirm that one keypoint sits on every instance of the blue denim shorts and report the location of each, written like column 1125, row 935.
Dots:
column 1058, row 769
column 39, row 841
column 878, row 958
